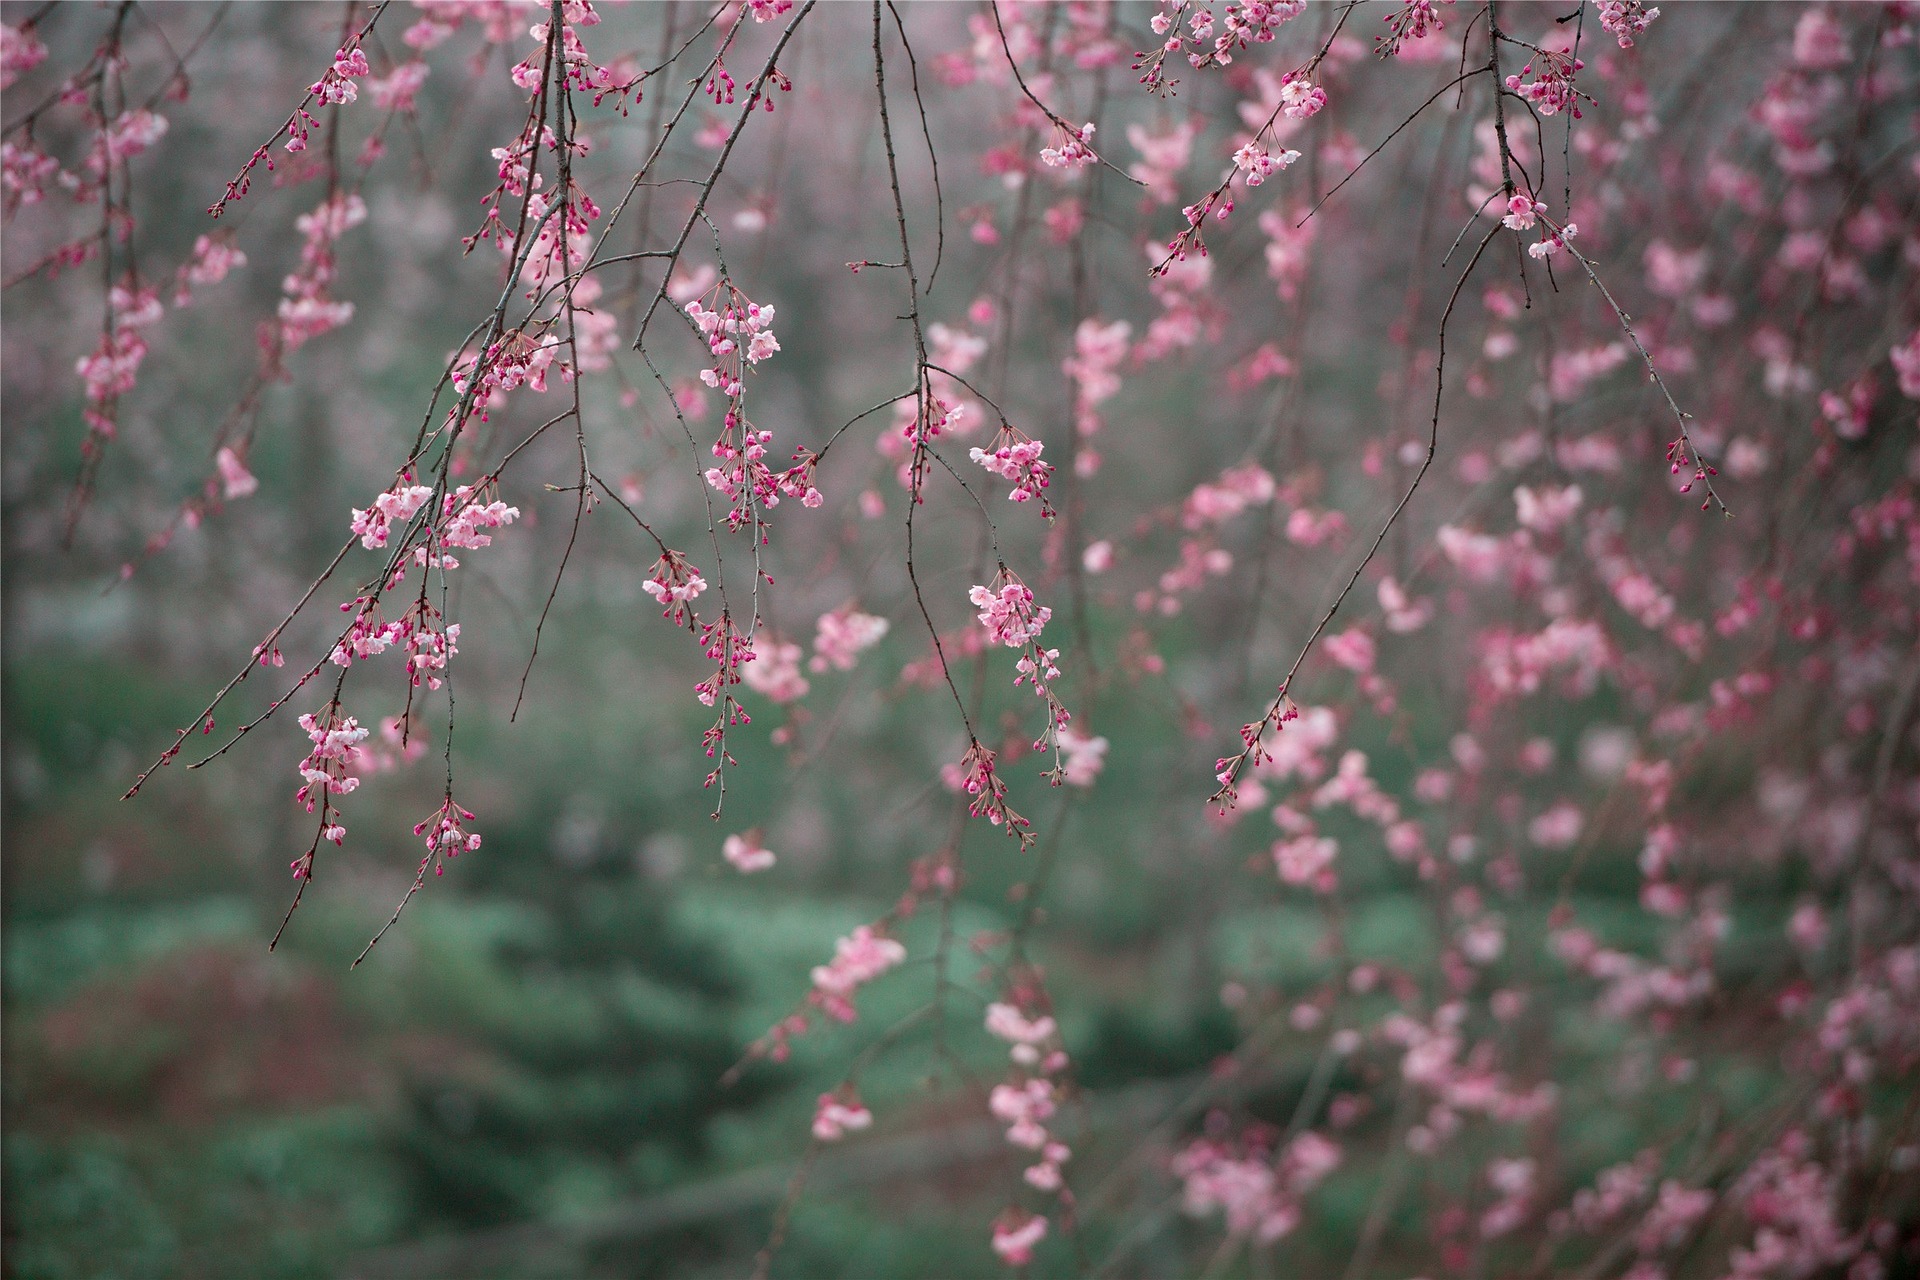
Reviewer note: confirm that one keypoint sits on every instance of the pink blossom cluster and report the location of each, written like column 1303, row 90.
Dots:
column 1083, row 756
column 775, row 671
column 1009, row 614
column 401, row 503
column 308, row 308
column 326, row 770
column 858, row 959
column 1071, row 149
column 1015, row 1235
column 336, row 87
column 1259, row 164
column 1016, row 459
column 21, row 50
column 1552, row 91
column 1625, row 19
column 675, row 584
column 738, row 333
column 25, row 171
column 1413, row 20
column 214, row 256
column 841, row 635
column 130, row 134
column 1098, row 351
column 1258, row 1192
column 114, row 365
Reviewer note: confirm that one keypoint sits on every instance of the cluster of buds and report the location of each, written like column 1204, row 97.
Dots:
column 743, row 475
column 1253, row 754
column 336, row 87
column 748, row 482
column 988, row 794
column 675, row 584
column 446, row 835
column 1413, row 20
column 1070, row 149
column 1552, row 92
column 926, row 417
column 1625, row 19
column 429, row 644
column 729, row 649
column 576, row 65
column 513, row 360
column 1679, row 457
column 738, row 333
column 367, row 636
column 1016, row 458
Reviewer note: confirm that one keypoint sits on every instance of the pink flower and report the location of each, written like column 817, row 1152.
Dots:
column 1819, row 43
column 1006, row 1022
column 1015, row 1236
column 776, row 672
column 1558, row 827
column 746, row 853
column 395, row 91
column 836, row 1115
column 235, row 480
column 1522, row 210
column 1017, row 459
column 213, row 257
column 1808, row 927
column 1547, row 509
column 1085, row 757
column 1352, row 649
